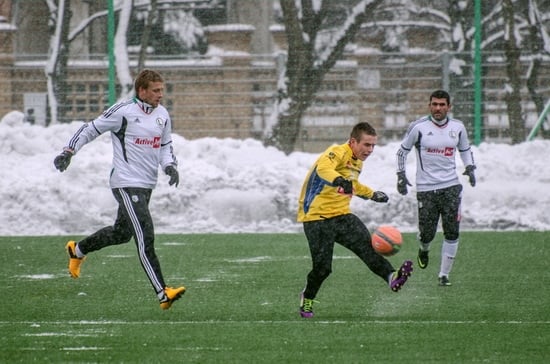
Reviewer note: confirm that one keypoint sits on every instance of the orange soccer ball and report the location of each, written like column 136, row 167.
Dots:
column 387, row 240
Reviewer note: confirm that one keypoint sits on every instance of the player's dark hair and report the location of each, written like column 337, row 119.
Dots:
column 362, row 128
column 441, row 94
column 146, row 76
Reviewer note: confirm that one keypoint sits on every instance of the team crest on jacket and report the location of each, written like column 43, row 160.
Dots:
column 452, row 134
column 160, row 122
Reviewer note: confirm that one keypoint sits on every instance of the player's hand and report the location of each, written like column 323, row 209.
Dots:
column 174, row 175
column 62, row 161
column 402, row 183
column 470, row 173
column 344, row 185
column 379, row 196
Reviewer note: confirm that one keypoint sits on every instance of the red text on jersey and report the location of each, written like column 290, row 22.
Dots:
column 447, row 152
column 153, row 142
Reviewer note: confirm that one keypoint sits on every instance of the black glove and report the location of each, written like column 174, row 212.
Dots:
column 344, row 184
column 62, row 161
column 379, row 196
column 402, row 183
column 174, row 175
column 470, row 173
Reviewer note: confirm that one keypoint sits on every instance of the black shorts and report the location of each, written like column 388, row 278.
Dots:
column 444, row 202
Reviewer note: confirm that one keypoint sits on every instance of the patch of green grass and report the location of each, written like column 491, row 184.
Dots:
column 242, row 298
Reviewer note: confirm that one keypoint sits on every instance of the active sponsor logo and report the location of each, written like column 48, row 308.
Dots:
column 447, row 152
column 153, row 142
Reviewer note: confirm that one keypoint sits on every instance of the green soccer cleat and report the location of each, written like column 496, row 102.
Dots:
column 74, row 261
column 171, row 295
column 423, row 258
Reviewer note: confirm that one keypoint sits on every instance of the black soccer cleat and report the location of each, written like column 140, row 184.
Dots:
column 423, row 258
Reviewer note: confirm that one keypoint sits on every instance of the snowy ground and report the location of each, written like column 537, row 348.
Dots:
column 233, row 186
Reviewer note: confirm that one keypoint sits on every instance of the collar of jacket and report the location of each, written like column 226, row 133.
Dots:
column 439, row 123
column 144, row 106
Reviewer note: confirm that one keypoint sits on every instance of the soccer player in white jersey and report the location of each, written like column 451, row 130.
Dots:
column 437, row 138
column 141, row 137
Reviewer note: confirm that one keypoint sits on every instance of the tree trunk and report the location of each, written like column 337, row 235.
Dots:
column 461, row 85
column 146, row 34
column 287, row 130
column 537, row 50
column 537, row 98
column 61, row 66
column 121, row 56
column 56, row 67
column 513, row 69
column 305, row 67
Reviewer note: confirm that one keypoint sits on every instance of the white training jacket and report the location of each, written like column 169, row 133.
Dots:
column 141, row 137
column 436, row 147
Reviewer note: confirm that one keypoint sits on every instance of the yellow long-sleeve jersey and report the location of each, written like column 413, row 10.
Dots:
column 319, row 198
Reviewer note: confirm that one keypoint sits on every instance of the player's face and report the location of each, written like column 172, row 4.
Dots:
column 439, row 108
column 363, row 147
column 152, row 94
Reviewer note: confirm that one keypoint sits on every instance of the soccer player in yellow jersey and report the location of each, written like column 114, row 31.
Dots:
column 324, row 209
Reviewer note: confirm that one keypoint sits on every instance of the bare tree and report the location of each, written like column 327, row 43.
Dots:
column 537, row 47
column 121, row 55
column 56, row 67
column 461, row 78
column 513, row 69
column 516, row 27
column 151, row 14
column 310, row 58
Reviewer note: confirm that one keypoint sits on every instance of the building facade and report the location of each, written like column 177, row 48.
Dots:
column 231, row 91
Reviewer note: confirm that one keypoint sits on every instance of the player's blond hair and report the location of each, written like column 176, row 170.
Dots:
column 146, row 76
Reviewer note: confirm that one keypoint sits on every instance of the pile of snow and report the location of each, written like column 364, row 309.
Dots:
column 230, row 186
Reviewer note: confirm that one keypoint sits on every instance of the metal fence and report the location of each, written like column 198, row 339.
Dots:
column 228, row 96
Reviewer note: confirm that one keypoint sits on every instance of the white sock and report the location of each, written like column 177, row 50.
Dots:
column 423, row 246
column 161, row 295
column 78, row 252
column 448, row 253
